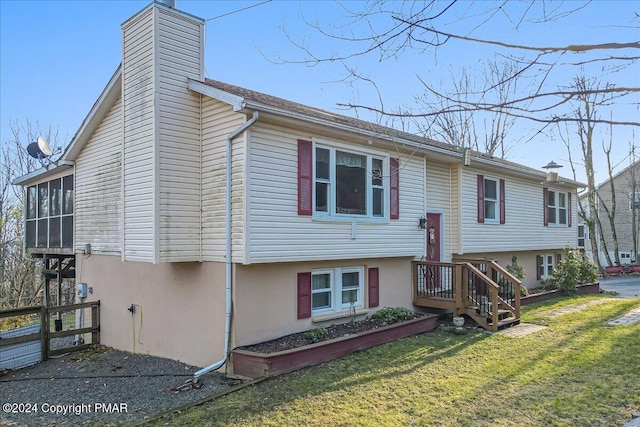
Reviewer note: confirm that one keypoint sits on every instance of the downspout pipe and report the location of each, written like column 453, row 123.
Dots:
column 228, row 277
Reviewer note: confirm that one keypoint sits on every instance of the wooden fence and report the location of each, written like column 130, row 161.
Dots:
column 49, row 326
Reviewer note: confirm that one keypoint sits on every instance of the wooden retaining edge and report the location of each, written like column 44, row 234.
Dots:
column 255, row 365
column 588, row 289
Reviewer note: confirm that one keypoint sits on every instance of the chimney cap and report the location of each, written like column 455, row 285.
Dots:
column 551, row 165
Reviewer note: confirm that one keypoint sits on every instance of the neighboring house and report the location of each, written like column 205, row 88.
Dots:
column 185, row 196
column 627, row 194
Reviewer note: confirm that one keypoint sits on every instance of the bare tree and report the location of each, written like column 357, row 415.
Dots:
column 610, row 210
column 589, row 100
column 388, row 30
column 482, row 131
column 19, row 283
column 634, row 204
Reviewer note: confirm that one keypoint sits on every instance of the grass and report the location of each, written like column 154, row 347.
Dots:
column 576, row 372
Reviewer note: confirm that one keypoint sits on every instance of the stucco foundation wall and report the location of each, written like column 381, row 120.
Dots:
column 181, row 306
column 265, row 295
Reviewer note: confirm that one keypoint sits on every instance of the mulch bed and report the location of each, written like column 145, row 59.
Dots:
column 301, row 339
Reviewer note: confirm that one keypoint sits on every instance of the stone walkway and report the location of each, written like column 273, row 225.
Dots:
column 521, row 330
column 575, row 307
column 524, row 329
column 628, row 319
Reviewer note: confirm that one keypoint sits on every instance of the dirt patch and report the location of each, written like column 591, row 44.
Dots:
column 301, row 339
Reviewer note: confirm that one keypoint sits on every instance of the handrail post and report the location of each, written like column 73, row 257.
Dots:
column 414, row 280
column 458, row 287
column 465, row 284
column 494, row 309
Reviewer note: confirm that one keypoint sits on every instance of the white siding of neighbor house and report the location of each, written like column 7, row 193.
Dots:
column 524, row 222
column 98, row 202
column 178, row 59
column 278, row 234
column 218, row 121
column 140, row 154
column 441, row 198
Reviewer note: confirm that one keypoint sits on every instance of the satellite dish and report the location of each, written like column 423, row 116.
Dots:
column 43, row 145
column 40, row 149
column 34, row 150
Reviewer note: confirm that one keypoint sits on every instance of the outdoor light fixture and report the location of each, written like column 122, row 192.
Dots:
column 552, row 176
column 422, row 223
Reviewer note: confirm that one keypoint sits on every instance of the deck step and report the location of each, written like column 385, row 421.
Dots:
column 508, row 322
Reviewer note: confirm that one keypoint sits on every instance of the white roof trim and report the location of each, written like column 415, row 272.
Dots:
column 98, row 111
column 43, row 173
column 235, row 101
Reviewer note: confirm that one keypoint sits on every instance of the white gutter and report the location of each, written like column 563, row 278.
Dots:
column 228, row 279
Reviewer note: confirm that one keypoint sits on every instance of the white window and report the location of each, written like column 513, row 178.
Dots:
column 557, row 207
column 491, row 200
column 349, row 184
column 548, row 265
column 336, row 289
column 582, row 235
column 634, row 200
column 49, row 214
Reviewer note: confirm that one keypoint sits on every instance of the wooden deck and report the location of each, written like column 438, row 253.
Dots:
column 481, row 289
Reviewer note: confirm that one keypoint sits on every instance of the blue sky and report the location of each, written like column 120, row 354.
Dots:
column 57, row 56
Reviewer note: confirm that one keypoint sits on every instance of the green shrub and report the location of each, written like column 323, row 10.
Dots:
column 570, row 272
column 389, row 316
column 317, row 334
column 518, row 272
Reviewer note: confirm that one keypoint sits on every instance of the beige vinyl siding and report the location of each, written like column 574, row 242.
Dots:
column 441, row 198
column 218, row 121
column 179, row 42
column 524, row 228
column 279, row 234
column 98, row 202
column 139, row 155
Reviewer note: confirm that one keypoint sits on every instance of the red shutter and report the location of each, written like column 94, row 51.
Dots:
column 539, row 267
column 374, row 286
column 305, row 178
column 544, row 206
column 394, row 179
column 569, row 209
column 304, row 295
column 502, row 203
column 481, row 198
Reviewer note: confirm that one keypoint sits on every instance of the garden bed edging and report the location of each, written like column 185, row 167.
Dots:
column 588, row 289
column 255, row 365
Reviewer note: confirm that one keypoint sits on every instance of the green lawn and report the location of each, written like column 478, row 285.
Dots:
column 577, row 372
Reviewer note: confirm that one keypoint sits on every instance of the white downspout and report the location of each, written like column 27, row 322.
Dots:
column 228, row 281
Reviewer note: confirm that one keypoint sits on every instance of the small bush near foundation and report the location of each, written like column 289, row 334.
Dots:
column 570, row 272
column 389, row 315
column 518, row 272
column 317, row 334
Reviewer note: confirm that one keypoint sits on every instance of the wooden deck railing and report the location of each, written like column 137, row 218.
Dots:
column 482, row 289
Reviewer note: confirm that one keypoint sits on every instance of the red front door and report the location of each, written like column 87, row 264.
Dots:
column 433, row 237
column 432, row 273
